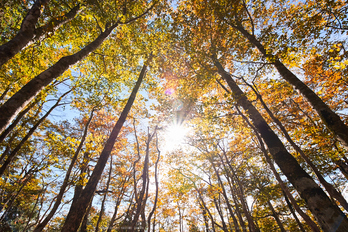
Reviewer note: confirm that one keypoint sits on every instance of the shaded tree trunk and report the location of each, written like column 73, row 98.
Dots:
column 276, row 217
column 104, row 198
column 329, row 216
column 26, row 33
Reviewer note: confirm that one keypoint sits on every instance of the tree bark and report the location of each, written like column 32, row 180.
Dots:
column 275, row 215
column 25, row 35
column 229, row 207
column 329, row 216
column 77, row 212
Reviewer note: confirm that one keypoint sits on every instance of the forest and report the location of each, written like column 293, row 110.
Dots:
column 174, row 115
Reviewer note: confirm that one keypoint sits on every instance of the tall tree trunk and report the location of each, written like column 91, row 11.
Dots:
column 328, row 187
column 26, row 33
column 330, row 118
column 76, row 213
column 218, row 209
column 27, row 136
column 329, row 216
column 12, row 106
column 63, row 187
column 54, row 24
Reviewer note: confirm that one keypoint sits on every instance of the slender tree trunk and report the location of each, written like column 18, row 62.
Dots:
column 27, row 136
column 329, row 216
column 156, row 184
column 330, row 118
column 142, row 198
column 293, row 212
column 118, row 202
column 77, row 212
column 19, row 100
column 218, row 209
column 240, row 193
column 276, row 217
column 229, row 207
column 26, row 33
column 59, row 198
column 102, row 208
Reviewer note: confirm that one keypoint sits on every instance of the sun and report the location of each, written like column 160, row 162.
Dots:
column 174, row 136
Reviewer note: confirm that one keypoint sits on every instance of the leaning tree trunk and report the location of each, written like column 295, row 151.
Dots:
column 27, row 136
column 330, row 118
column 328, row 215
column 25, row 35
column 19, row 100
column 78, row 210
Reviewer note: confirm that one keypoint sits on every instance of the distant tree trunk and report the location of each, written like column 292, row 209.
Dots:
column 156, row 184
column 218, row 209
column 78, row 210
column 330, row 118
column 143, row 195
column 240, row 193
column 27, row 136
column 233, row 193
column 63, row 187
column 293, row 212
column 118, row 202
column 229, row 207
column 12, row 106
column 102, row 208
column 26, row 33
column 329, row 216
column 276, row 217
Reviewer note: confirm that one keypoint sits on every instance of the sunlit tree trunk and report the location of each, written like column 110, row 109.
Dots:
column 229, row 207
column 328, row 187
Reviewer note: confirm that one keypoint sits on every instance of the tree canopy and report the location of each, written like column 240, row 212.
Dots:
column 156, row 115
